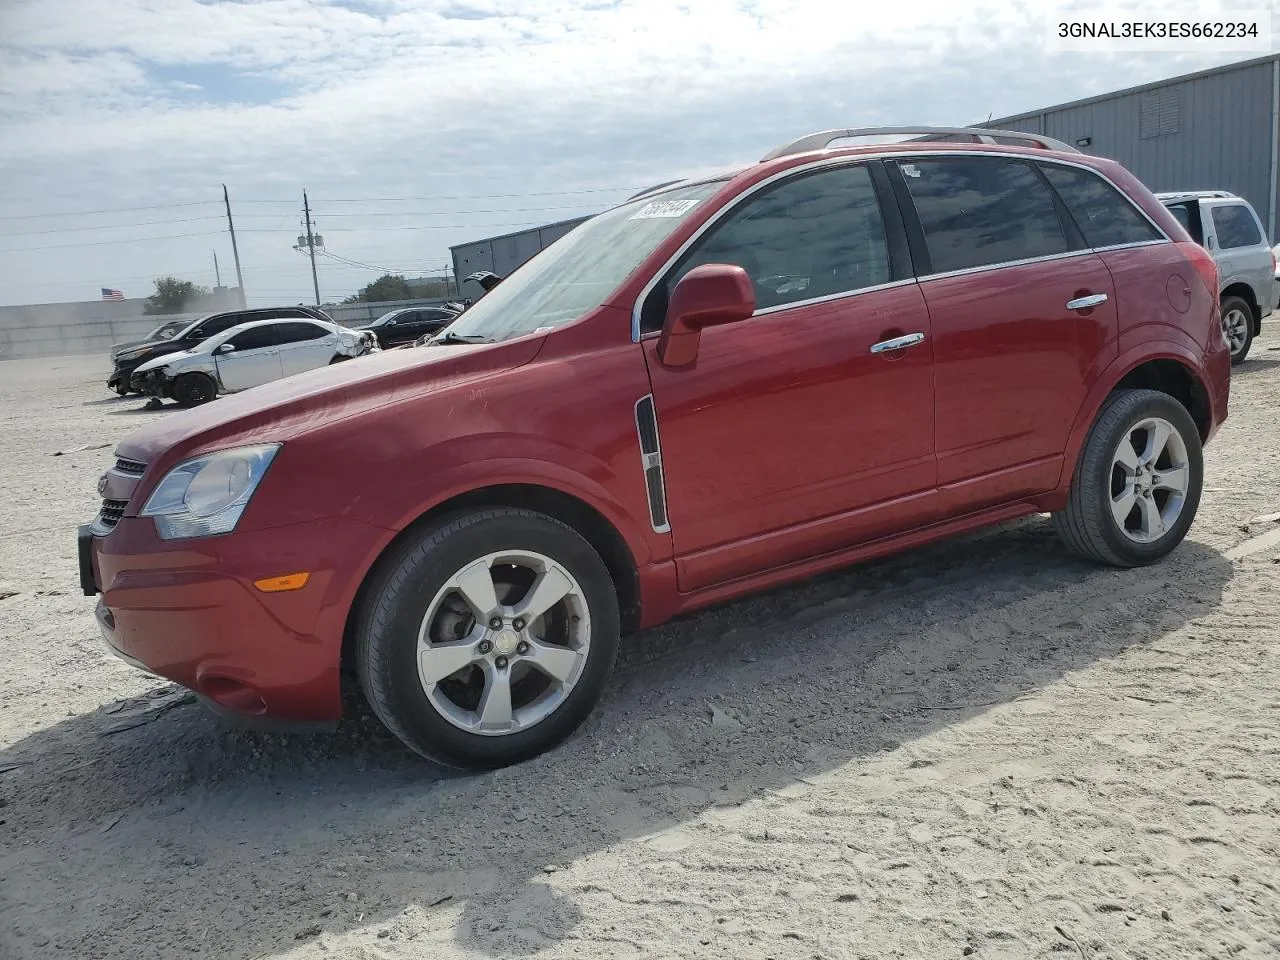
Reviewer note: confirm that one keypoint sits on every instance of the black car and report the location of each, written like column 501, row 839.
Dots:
column 126, row 361
column 409, row 324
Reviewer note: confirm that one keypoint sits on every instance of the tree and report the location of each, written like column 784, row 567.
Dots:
column 172, row 295
column 387, row 287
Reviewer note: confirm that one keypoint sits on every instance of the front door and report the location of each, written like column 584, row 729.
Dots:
column 254, row 359
column 1021, row 313
column 796, row 432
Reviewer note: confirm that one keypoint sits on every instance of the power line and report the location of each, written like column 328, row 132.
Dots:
column 445, row 213
column 101, row 243
column 90, row 213
column 460, row 196
column 198, row 203
column 112, row 226
column 438, row 226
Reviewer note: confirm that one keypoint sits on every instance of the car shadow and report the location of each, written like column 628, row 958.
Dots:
column 150, row 829
column 108, row 401
column 1253, row 365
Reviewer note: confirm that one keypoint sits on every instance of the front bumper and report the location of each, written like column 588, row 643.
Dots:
column 152, row 383
column 187, row 610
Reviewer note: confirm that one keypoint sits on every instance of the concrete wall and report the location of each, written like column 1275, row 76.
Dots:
column 89, row 326
column 501, row 255
column 65, row 329
column 1208, row 131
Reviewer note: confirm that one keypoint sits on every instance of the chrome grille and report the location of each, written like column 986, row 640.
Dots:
column 110, row 514
column 134, row 468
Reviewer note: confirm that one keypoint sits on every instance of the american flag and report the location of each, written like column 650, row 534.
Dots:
column 109, row 294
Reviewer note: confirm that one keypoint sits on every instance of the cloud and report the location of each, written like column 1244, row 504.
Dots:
column 117, row 103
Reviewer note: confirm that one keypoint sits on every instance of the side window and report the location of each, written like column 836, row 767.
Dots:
column 218, row 324
column 979, row 211
column 1235, row 226
column 253, row 338
column 813, row 236
column 1188, row 214
column 1105, row 217
column 298, row 332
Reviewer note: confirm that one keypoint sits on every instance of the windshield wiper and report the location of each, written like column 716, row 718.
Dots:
column 450, row 337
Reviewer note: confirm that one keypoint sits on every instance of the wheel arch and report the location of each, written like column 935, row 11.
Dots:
column 1245, row 291
column 569, row 509
column 1171, row 368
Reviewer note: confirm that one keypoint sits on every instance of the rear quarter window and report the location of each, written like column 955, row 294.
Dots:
column 1235, row 226
column 1105, row 217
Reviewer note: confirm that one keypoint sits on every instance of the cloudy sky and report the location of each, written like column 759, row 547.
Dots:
column 416, row 124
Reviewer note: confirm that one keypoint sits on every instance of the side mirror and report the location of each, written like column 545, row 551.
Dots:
column 707, row 296
column 226, row 348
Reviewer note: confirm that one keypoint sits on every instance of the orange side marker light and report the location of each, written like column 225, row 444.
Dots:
column 291, row 581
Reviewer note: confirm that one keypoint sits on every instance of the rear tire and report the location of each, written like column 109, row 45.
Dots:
column 1137, row 482
column 1237, row 327
column 453, row 686
column 193, row 389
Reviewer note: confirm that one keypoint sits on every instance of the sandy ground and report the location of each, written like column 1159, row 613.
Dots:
column 980, row 748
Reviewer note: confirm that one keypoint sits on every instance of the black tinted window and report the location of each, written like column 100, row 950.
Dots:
column 297, row 332
column 1102, row 214
column 216, row 325
column 978, row 211
column 1235, row 226
column 813, row 236
column 253, row 338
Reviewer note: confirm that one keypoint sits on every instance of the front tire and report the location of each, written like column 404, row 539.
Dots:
column 1237, row 327
column 1137, row 482
column 193, row 389
column 486, row 639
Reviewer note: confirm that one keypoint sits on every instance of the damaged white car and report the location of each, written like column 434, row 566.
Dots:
column 248, row 355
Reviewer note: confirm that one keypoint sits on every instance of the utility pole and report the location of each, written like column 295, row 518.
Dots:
column 235, row 251
column 216, row 272
column 311, row 246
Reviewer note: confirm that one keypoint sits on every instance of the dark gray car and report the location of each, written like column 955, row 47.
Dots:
column 1227, row 226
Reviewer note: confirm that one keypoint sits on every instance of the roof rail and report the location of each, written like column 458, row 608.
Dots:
column 656, row 186
column 821, row 141
column 1179, row 194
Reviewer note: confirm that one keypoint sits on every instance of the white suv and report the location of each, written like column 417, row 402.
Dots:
column 1227, row 226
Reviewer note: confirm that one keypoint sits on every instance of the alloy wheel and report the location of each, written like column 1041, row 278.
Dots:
column 1235, row 327
column 503, row 643
column 1150, row 474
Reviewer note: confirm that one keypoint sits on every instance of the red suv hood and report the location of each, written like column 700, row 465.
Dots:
column 286, row 408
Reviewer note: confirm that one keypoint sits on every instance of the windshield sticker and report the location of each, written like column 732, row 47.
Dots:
column 655, row 209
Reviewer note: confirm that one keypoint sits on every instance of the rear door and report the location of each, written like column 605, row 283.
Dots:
column 253, row 359
column 1020, row 312
column 304, row 346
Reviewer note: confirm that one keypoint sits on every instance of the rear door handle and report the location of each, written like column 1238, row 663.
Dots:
column 1084, row 303
column 898, row 343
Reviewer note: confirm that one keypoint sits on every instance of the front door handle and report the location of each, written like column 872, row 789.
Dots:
column 898, row 343
column 1084, row 303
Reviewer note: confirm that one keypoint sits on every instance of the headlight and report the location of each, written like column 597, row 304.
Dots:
column 206, row 495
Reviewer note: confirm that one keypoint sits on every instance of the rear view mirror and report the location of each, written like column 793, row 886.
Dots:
column 707, row 296
column 226, row 348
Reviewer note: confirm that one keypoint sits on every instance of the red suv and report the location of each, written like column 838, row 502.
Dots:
column 716, row 387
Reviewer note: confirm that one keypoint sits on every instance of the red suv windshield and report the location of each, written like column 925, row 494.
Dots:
column 576, row 273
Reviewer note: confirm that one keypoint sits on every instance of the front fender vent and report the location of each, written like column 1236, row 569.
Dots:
column 651, row 463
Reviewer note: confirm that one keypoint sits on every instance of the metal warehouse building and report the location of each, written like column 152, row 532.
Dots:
column 503, row 254
column 1217, row 129
column 1214, row 130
